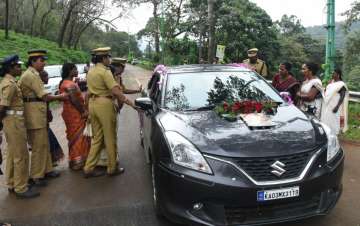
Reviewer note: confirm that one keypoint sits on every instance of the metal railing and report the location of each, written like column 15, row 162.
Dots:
column 354, row 96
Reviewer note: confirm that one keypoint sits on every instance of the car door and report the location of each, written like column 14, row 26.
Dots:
column 148, row 118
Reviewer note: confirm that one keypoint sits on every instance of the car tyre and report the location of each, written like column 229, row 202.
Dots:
column 156, row 202
column 141, row 138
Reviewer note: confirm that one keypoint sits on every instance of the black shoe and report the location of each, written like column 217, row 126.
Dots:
column 94, row 173
column 52, row 174
column 11, row 191
column 38, row 182
column 30, row 193
column 117, row 172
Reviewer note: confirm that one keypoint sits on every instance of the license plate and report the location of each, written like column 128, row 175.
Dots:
column 282, row 193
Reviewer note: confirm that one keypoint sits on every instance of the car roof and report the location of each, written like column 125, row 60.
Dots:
column 204, row 68
column 53, row 66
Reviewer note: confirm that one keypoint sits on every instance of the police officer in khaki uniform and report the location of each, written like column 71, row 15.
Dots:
column 35, row 98
column 255, row 63
column 101, row 89
column 117, row 68
column 12, row 116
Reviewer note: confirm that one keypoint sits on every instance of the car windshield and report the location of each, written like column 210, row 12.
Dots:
column 204, row 90
column 53, row 71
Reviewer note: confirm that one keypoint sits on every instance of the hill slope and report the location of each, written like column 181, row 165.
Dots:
column 20, row 44
column 319, row 32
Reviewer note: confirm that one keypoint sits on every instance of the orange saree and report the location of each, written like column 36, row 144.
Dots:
column 79, row 145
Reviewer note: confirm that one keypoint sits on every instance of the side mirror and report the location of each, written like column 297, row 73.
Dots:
column 144, row 103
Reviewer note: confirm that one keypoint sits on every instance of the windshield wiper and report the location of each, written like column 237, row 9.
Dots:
column 251, row 81
column 204, row 108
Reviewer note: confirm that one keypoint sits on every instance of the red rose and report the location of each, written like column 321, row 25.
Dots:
column 236, row 107
column 258, row 107
column 248, row 107
column 226, row 106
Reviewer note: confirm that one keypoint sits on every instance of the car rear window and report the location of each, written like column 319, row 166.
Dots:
column 186, row 91
column 53, row 71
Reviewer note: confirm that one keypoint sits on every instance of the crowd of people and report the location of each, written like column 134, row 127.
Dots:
column 25, row 113
column 329, row 104
column 25, row 116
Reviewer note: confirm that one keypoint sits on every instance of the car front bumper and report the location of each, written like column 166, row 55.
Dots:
column 229, row 198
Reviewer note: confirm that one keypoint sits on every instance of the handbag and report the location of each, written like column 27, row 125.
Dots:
column 88, row 130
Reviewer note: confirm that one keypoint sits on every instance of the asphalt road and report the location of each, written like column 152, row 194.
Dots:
column 126, row 200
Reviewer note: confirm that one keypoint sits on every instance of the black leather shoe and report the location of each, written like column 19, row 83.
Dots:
column 117, row 172
column 30, row 193
column 52, row 174
column 94, row 173
column 38, row 182
column 11, row 191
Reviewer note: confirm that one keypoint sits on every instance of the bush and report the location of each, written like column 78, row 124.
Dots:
column 354, row 122
column 20, row 44
column 353, row 79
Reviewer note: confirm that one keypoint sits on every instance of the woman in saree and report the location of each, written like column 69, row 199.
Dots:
column 285, row 82
column 56, row 151
column 335, row 104
column 311, row 91
column 75, row 115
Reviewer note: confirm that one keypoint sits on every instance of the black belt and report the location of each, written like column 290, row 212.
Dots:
column 32, row 99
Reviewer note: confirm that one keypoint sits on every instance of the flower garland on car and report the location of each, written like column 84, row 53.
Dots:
column 230, row 110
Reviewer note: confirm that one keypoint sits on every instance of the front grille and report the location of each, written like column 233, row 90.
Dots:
column 267, row 213
column 260, row 168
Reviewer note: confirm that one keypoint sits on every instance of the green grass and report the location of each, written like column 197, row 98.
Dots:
column 20, row 44
column 148, row 65
column 354, row 123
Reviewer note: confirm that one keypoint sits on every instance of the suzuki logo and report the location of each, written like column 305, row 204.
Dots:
column 278, row 168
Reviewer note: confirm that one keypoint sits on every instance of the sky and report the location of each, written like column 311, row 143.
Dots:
column 310, row 12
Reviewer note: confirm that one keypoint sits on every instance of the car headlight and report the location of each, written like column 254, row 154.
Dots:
column 185, row 154
column 333, row 146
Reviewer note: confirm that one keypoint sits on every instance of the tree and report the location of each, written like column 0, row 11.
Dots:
column 6, row 19
column 352, row 48
column 352, row 60
column 35, row 7
column 44, row 17
column 155, row 23
column 243, row 25
column 296, row 46
column 211, row 22
column 352, row 15
column 290, row 25
column 68, row 7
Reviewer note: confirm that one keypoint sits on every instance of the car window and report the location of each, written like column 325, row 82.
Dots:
column 53, row 71
column 80, row 68
column 188, row 91
column 153, row 86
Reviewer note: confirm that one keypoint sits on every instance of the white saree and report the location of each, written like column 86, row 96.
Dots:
column 305, row 88
column 331, row 99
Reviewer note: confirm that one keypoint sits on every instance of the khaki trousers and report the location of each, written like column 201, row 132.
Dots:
column 40, row 154
column 17, row 157
column 103, row 122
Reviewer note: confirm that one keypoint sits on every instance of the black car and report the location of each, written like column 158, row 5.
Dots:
column 209, row 170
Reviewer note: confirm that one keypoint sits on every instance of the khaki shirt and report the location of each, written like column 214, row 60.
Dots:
column 10, row 94
column 260, row 67
column 100, row 81
column 35, row 112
